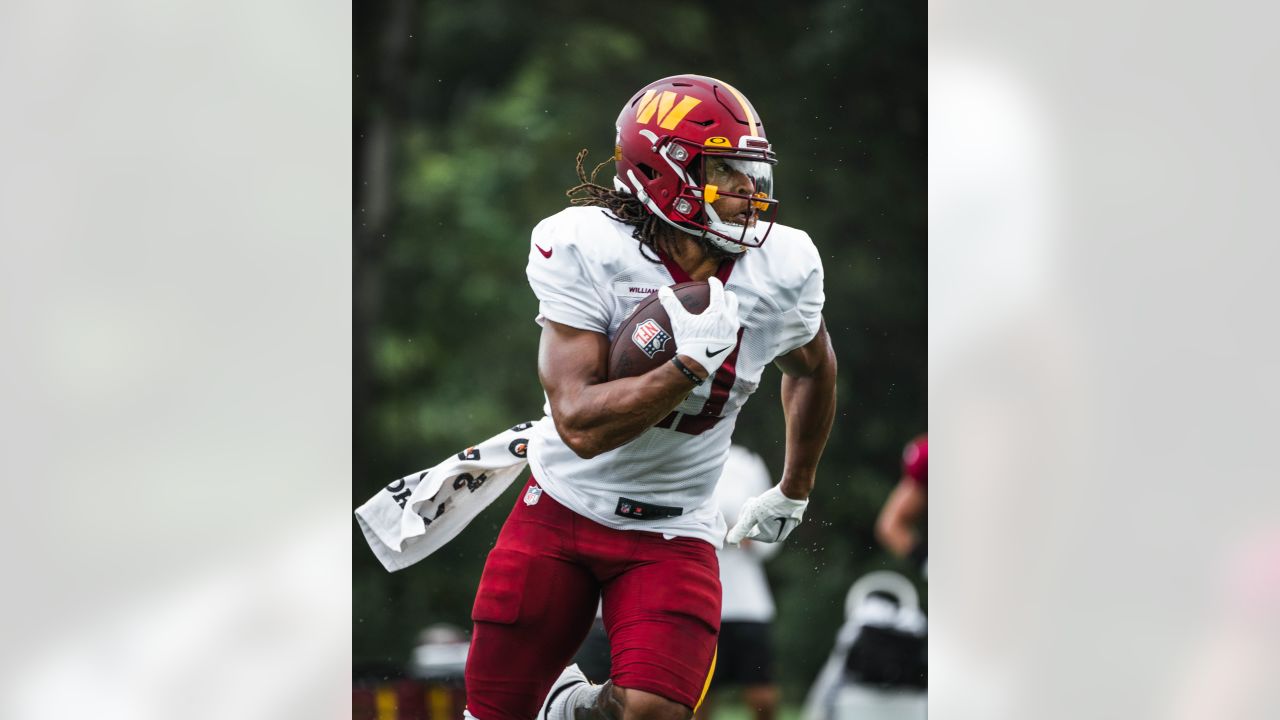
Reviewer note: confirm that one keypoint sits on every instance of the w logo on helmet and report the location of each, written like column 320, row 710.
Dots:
column 661, row 104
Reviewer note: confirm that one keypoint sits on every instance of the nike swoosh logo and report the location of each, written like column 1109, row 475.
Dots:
column 545, row 253
column 713, row 353
column 782, row 525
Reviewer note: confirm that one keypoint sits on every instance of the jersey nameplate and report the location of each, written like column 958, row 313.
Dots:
column 633, row 290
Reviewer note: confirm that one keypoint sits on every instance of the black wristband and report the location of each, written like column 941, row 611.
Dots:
column 675, row 360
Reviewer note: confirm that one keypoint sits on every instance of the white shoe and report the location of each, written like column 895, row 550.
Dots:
column 558, row 695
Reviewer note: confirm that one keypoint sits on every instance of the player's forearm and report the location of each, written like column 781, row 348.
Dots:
column 809, row 404
column 599, row 418
column 902, row 511
column 897, row 537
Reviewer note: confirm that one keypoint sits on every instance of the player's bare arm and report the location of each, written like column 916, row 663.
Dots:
column 895, row 528
column 594, row 415
column 809, row 403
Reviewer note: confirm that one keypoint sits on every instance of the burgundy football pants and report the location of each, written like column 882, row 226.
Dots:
column 537, row 599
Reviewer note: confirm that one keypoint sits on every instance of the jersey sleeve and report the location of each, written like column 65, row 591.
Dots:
column 560, row 273
column 801, row 321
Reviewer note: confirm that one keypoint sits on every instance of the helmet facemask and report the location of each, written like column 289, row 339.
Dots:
column 727, row 197
column 737, row 197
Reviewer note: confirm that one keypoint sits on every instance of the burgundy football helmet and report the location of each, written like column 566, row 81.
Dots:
column 688, row 142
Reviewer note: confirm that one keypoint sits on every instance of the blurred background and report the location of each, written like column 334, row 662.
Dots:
column 467, row 118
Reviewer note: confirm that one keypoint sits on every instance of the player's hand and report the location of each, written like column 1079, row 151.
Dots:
column 768, row 517
column 707, row 338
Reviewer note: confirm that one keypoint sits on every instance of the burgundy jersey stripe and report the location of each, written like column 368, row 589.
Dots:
column 726, row 375
column 726, row 267
column 723, row 382
column 680, row 276
column 696, row 424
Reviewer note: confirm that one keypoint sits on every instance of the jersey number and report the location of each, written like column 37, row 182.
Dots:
column 709, row 415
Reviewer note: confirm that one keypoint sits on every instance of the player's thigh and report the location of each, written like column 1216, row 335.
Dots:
column 532, row 610
column 662, row 614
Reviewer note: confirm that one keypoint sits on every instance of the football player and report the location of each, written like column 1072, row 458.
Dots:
column 906, row 506
column 620, row 505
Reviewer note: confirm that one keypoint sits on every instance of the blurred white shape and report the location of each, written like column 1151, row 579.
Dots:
column 1103, row 414
column 251, row 641
column 990, row 249
column 991, row 296
column 174, row 384
column 441, row 652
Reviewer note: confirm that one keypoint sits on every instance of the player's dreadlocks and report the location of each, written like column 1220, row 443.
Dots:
column 627, row 209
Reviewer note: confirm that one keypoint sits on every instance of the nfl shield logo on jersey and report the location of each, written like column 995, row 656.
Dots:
column 650, row 337
column 532, row 495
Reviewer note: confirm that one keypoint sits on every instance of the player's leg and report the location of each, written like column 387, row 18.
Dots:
column 532, row 610
column 663, row 615
column 725, row 677
column 762, row 700
column 751, row 646
column 707, row 709
column 662, row 611
column 573, row 697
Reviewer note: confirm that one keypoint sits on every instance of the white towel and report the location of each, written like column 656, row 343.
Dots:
column 417, row 514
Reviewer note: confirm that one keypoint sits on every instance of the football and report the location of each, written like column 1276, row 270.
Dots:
column 645, row 340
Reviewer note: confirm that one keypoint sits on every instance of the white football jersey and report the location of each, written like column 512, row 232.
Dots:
column 588, row 273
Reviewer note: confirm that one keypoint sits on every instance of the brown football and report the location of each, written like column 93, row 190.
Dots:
column 645, row 339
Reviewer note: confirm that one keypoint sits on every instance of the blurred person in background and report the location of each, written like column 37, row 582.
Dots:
column 901, row 515
column 877, row 669
column 745, row 652
column 620, row 507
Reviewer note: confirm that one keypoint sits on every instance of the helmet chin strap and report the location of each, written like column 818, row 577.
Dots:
column 725, row 245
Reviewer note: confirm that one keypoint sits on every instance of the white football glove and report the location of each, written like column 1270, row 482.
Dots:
column 768, row 517
column 707, row 338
